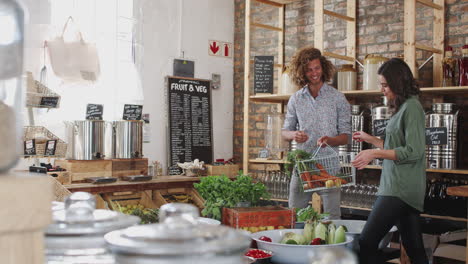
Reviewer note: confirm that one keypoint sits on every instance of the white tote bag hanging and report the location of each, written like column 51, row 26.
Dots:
column 74, row 60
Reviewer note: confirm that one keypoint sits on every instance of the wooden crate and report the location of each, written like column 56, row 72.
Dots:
column 229, row 170
column 158, row 196
column 80, row 170
column 129, row 167
column 59, row 191
column 272, row 216
column 61, row 176
column 129, row 198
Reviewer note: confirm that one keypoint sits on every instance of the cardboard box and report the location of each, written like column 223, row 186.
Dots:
column 229, row 170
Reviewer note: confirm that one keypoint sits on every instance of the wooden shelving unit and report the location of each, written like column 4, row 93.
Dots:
column 448, row 171
column 261, row 161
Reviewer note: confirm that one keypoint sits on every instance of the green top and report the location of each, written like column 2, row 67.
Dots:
column 405, row 177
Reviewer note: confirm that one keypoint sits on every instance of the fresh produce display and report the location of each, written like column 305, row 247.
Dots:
column 254, row 229
column 220, row 191
column 147, row 215
column 257, row 254
column 308, row 213
column 293, row 157
column 316, row 233
column 317, row 176
column 178, row 198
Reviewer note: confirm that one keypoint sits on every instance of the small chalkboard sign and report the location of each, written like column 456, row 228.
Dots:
column 132, row 112
column 94, row 111
column 30, row 147
column 263, row 74
column 379, row 126
column 49, row 101
column 51, row 145
column 436, row 136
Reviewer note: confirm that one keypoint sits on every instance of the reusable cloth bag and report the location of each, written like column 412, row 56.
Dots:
column 74, row 60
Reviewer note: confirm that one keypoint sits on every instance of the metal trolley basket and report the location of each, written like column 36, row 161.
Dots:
column 326, row 169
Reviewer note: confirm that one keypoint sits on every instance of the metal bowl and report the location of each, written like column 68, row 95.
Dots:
column 290, row 254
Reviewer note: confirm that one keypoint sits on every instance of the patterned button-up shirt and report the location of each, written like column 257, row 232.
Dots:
column 329, row 114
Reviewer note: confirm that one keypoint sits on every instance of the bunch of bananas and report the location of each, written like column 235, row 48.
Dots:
column 178, row 198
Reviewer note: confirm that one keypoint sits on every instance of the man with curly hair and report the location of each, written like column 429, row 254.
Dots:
column 317, row 114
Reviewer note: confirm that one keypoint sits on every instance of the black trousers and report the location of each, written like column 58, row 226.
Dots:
column 387, row 212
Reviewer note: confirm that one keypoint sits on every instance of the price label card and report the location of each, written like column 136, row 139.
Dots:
column 94, row 111
column 379, row 126
column 49, row 101
column 132, row 112
column 30, row 147
column 436, row 136
column 51, row 145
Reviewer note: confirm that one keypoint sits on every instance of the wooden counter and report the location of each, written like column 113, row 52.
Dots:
column 460, row 191
column 159, row 182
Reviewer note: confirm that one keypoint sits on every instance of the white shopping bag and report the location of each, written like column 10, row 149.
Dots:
column 75, row 60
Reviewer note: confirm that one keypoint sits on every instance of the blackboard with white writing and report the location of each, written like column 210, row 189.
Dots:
column 94, row 111
column 190, row 122
column 51, row 145
column 49, row 101
column 263, row 74
column 436, row 136
column 30, row 147
column 379, row 126
column 132, row 112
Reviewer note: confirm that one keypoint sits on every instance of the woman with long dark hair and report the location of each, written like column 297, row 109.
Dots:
column 403, row 179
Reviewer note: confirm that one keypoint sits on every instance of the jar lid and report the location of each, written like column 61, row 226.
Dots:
column 374, row 59
column 346, row 68
column 178, row 234
column 80, row 217
column 355, row 109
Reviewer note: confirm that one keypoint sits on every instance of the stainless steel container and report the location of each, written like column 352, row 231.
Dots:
column 86, row 139
column 443, row 156
column 178, row 238
column 128, row 139
column 357, row 124
column 77, row 232
column 380, row 116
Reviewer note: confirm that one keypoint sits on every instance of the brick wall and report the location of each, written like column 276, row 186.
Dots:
column 380, row 31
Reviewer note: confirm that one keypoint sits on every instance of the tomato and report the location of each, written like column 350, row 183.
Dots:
column 265, row 238
column 317, row 241
column 257, row 254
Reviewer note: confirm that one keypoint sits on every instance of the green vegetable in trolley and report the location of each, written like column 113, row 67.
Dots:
column 293, row 157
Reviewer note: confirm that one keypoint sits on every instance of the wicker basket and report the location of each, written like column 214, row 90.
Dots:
column 37, row 94
column 40, row 134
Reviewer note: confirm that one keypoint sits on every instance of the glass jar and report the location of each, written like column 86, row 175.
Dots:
column 178, row 238
column 77, row 232
column 372, row 64
column 346, row 78
column 463, row 67
column 11, row 91
column 448, row 68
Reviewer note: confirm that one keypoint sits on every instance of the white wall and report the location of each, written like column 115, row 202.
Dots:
column 166, row 29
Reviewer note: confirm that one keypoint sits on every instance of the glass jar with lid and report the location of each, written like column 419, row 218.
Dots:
column 77, row 232
column 178, row 238
column 11, row 91
column 372, row 64
column 346, row 78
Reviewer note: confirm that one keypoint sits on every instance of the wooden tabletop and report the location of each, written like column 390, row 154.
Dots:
column 159, row 182
column 458, row 191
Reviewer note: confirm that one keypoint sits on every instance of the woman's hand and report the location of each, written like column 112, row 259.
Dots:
column 363, row 158
column 300, row 136
column 361, row 136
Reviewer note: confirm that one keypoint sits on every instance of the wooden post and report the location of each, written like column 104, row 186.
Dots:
column 318, row 28
column 438, row 42
column 410, row 35
column 245, row 162
column 351, row 30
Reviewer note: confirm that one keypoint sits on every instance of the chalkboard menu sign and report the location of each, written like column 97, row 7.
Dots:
column 379, row 126
column 132, row 112
column 51, row 145
column 436, row 136
column 190, row 123
column 30, row 147
column 49, row 101
column 94, row 112
column 263, row 74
